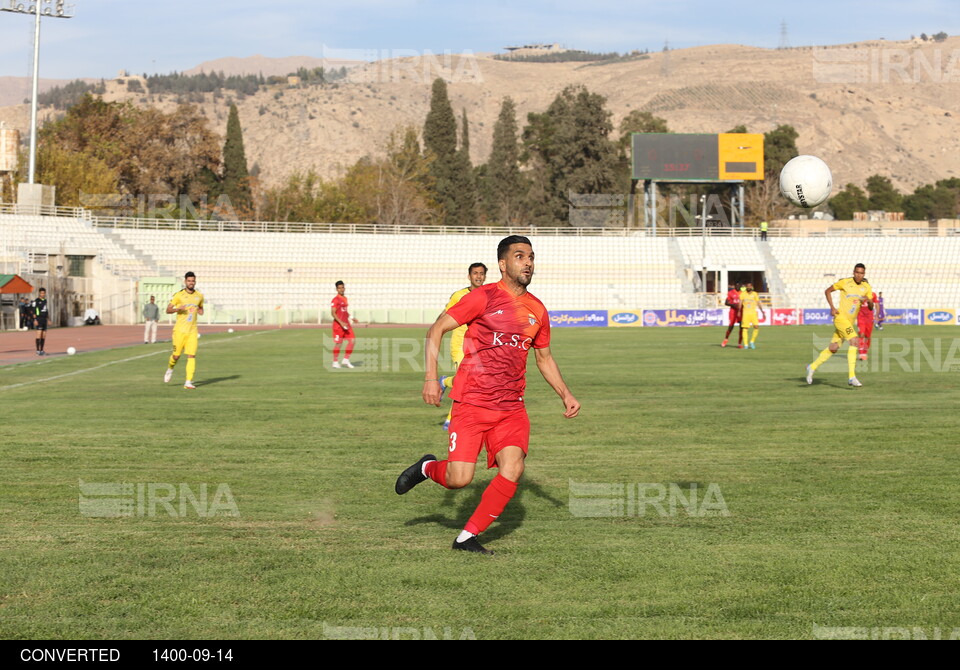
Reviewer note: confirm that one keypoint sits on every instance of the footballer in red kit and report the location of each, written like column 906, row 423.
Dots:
column 733, row 302
column 342, row 331
column 865, row 318
column 505, row 323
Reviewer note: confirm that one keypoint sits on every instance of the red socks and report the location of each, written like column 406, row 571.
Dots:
column 437, row 471
column 492, row 503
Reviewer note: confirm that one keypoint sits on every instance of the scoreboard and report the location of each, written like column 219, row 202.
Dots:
column 697, row 157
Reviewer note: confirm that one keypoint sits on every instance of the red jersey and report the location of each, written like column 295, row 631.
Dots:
column 866, row 313
column 339, row 305
column 501, row 329
column 733, row 298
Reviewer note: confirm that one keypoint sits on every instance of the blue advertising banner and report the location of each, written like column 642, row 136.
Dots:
column 573, row 318
column 818, row 316
column 902, row 317
column 683, row 317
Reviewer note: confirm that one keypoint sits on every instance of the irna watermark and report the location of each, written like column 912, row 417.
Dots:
column 123, row 499
column 628, row 500
column 410, row 65
column 884, row 633
column 896, row 354
column 886, row 65
column 396, row 633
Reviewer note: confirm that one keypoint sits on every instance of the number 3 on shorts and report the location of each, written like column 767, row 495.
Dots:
column 453, row 442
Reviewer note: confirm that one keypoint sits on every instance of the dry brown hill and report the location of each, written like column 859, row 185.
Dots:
column 268, row 66
column 14, row 90
column 874, row 107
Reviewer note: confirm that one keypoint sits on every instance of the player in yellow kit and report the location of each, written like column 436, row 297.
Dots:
column 750, row 303
column 477, row 274
column 187, row 305
column 854, row 291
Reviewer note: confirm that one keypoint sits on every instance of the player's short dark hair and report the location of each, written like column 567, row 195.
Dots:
column 505, row 243
column 860, row 265
column 188, row 275
column 339, row 283
column 41, row 289
column 477, row 265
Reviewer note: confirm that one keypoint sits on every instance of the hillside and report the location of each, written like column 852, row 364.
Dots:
column 268, row 66
column 849, row 108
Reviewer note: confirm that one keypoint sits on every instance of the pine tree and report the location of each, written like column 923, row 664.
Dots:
column 569, row 148
column 236, row 179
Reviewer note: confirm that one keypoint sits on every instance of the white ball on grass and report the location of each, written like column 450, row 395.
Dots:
column 71, row 351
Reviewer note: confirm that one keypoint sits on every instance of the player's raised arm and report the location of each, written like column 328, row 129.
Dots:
column 551, row 373
column 431, row 383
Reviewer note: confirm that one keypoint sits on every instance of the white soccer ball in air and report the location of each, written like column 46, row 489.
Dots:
column 806, row 181
column 71, row 351
column 229, row 330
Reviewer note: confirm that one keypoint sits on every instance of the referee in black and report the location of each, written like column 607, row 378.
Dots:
column 40, row 314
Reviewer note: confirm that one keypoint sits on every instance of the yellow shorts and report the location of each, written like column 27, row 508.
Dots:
column 748, row 320
column 185, row 343
column 842, row 330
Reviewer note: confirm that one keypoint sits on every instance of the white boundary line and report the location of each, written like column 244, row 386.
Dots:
column 125, row 360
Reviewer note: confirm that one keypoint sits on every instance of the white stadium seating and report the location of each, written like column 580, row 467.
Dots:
column 406, row 277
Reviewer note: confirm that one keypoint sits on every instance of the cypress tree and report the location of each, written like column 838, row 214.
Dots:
column 440, row 142
column 236, row 179
column 464, row 178
column 505, row 186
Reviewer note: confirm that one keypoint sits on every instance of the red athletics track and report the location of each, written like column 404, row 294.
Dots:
column 20, row 346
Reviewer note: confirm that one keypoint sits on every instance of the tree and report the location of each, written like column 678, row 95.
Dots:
column 882, row 194
column 941, row 201
column 851, row 199
column 153, row 153
column 453, row 184
column 406, row 182
column 640, row 122
column 307, row 197
column 440, row 142
column 779, row 146
column 236, row 178
column 77, row 175
column 504, row 186
column 569, row 150
column 464, row 176
column 762, row 198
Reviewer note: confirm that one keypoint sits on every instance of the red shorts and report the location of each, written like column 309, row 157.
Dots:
column 473, row 428
column 866, row 327
column 339, row 335
column 734, row 316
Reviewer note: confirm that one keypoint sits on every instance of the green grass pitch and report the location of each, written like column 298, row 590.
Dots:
column 841, row 504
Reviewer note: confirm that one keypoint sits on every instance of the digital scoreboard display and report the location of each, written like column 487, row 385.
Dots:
column 697, row 157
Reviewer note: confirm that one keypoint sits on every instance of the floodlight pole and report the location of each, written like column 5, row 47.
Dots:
column 61, row 13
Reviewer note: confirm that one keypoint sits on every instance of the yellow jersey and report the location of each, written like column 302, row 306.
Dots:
column 187, row 319
column 750, row 301
column 852, row 295
column 456, row 337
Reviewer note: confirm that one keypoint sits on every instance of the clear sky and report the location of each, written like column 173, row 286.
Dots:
column 174, row 35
